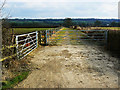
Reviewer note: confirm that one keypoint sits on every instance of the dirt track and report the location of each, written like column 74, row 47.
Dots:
column 71, row 66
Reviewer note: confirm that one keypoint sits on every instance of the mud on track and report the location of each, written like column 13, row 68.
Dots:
column 71, row 66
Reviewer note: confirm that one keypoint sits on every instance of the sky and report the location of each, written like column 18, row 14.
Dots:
column 62, row 8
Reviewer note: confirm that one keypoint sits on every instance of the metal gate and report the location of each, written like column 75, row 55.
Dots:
column 76, row 35
column 46, row 35
column 26, row 43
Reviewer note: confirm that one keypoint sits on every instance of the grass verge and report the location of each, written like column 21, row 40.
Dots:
column 14, row 81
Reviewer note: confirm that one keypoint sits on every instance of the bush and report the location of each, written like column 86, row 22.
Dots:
column 114, row 40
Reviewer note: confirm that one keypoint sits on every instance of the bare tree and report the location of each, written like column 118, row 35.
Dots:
column 2, row 4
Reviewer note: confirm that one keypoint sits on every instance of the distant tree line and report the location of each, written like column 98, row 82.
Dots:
column 67, row 22
column 34, row 24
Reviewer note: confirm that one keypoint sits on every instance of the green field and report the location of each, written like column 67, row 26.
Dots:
column 107, row 28
column 28, row 30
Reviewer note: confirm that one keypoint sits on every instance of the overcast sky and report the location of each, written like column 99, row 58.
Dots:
column 62, row 8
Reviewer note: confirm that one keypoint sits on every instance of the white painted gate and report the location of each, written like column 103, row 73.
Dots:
column 26, row 43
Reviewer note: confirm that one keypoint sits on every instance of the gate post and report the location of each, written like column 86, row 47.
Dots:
column 106, row 36
column 77, row 36
column 40, row 37
column 46, row 38
column 17, row 51
column 36, row 39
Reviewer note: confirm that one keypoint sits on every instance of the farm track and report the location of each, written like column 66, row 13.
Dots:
column 71, row 66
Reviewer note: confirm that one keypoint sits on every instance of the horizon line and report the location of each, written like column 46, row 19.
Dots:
column 64, row 18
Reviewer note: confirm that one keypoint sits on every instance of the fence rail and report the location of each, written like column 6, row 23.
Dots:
column 26, row 43
column 87, row 35
column 11, row 46
column 8, row 57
